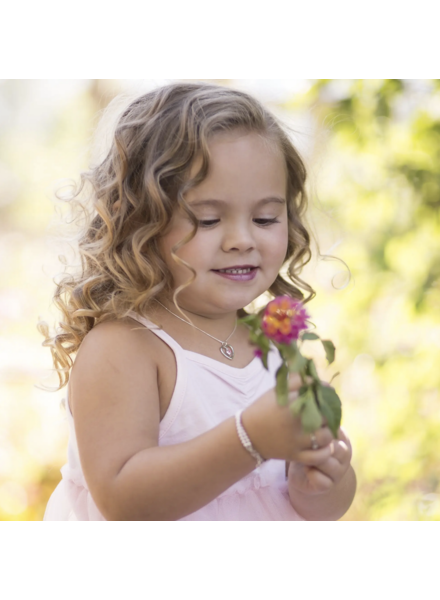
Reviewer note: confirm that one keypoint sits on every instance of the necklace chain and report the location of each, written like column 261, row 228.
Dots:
column 188, row 323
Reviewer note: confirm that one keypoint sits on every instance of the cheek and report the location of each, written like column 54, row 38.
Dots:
column 190, row 252
column 277, row 245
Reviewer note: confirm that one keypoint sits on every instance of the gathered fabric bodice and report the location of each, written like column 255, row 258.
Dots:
column 206, row 393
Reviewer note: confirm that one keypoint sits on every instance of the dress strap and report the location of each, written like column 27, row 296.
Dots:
column 181, row 377
column 163, row 335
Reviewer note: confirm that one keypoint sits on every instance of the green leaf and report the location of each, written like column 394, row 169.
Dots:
column 329, row 350
column 318, row 395
column 311, row 370
column 331, row 408
column 297, row 406
column 263, row 342
column 303, row 390
column 253, row 336
column 308, row 335
column 264, row 359
column 310, row 416
column 298, row 363
column 281, row 385
column 289, row 352
column 252, row 320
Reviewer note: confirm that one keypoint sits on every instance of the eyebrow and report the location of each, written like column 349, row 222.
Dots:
column 222, row 202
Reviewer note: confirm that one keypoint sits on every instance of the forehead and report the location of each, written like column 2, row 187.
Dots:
column 245, row 165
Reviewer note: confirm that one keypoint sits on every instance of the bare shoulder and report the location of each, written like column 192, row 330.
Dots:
column 114, row 336
column 120, row 353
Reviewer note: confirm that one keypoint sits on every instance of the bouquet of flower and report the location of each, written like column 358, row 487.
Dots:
column 284, row 323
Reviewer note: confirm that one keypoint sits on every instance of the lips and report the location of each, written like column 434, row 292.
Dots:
column 242, row 273
column 236, row 267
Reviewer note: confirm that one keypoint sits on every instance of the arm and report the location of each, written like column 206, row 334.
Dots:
column 115, row 400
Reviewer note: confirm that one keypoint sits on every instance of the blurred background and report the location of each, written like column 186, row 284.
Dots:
column 372, row 148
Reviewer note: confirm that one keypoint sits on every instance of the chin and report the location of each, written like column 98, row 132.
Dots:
column 241, row 303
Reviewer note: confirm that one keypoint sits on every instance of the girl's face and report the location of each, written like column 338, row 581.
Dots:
column 242, row 213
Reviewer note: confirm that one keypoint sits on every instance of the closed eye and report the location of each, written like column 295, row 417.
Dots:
column 207, row 223
column 265, row 222
column 261, row 222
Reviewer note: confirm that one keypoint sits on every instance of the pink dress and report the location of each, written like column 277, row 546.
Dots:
column 206, row 393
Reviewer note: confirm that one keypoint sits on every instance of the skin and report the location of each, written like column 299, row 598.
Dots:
column 114, row 391
column 244, row 169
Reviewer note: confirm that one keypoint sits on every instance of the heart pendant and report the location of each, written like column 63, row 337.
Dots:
column 227, row 350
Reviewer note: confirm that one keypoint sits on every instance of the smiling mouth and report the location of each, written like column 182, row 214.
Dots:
column 236, row 271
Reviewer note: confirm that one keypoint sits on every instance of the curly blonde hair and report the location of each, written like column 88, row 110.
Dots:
column 134, row 192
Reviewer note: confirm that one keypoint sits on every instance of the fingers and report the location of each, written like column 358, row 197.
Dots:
column 323, row 436
column 314, row 457
column 344, row 437
column 318, row 481
column 333, row 469
column 343, row 447
column 337, row 450
column 337, row 464
column 342, row 452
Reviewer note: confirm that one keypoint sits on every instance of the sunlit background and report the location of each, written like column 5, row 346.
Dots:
column 372, row 148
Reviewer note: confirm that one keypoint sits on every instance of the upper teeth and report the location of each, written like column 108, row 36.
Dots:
column 235, row 270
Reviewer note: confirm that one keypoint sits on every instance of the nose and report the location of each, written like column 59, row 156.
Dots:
column 238, row 236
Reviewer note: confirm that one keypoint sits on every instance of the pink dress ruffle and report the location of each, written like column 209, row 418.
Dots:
column 71, row 500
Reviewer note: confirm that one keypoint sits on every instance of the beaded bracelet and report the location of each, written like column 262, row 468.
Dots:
column 246, row 442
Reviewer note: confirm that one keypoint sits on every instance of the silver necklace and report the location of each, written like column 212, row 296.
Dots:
column 226, row 349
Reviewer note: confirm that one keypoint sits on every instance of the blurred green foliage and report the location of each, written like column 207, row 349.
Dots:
column 381, row 183
column 375, row 186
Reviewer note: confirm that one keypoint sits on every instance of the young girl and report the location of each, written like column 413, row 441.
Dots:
column 196, row 208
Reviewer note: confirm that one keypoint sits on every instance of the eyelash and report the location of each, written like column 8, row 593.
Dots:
column 265, row 224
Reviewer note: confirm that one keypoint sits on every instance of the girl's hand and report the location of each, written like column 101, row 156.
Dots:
column 276, row 433
column 319, row 476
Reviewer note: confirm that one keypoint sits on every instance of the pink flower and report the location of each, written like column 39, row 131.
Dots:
column 283, row 319
column 258, row 352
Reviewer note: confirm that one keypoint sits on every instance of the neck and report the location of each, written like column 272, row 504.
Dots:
column 220, row 326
